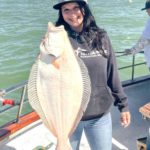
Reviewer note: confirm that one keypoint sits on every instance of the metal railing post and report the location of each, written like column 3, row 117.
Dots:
column 21, row 102
column 133, row 67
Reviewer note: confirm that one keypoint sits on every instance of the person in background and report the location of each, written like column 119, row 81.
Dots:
column 144, row 40
column 143, row 43
column 93, row 46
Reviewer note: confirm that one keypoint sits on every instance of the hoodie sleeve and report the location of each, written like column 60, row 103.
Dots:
column 113, row 81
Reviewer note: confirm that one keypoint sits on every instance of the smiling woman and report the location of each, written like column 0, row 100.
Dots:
column 91, row 43
column 73, row 15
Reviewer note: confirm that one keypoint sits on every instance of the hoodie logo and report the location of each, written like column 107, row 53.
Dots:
column 83, row 53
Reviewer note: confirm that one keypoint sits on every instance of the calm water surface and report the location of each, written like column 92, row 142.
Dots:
column 23, row 24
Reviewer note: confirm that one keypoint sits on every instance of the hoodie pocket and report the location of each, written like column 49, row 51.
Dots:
column 102, row 97
column 101, row 101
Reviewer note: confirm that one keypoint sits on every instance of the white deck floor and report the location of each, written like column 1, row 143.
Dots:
column 33, row 136
column 37, row 135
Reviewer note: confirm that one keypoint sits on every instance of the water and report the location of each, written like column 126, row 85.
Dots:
column 23, row 24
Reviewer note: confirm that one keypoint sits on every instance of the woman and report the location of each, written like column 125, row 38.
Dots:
column 93, row 46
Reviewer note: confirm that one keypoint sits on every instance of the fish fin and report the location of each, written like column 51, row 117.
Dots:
column 34, row 100
column 86, row 93
column 33, row 92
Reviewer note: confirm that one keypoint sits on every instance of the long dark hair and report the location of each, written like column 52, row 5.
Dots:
column 90, row 32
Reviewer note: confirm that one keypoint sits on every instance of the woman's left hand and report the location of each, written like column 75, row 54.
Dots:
column 125, row 119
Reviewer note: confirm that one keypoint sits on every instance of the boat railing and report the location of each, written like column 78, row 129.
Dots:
column 23, row 86
column 4, row 101
column 132, row 79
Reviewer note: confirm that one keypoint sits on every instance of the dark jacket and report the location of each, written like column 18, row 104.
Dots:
column 105, row 83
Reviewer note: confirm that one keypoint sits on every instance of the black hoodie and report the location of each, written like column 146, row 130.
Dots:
column 105, row 82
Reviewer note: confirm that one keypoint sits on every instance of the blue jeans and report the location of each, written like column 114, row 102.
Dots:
column 97, row 131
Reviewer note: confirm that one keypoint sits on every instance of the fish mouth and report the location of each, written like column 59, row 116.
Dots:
column 53, row 43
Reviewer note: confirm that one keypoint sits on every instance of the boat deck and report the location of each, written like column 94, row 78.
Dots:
column 138, row 95
column 36, row 135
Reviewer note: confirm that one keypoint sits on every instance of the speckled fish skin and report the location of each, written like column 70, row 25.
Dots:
column 59, row 86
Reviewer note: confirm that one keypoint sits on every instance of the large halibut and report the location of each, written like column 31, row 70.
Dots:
column 59, row 86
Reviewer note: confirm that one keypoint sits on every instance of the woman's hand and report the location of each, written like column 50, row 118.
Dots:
column 125, row 118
